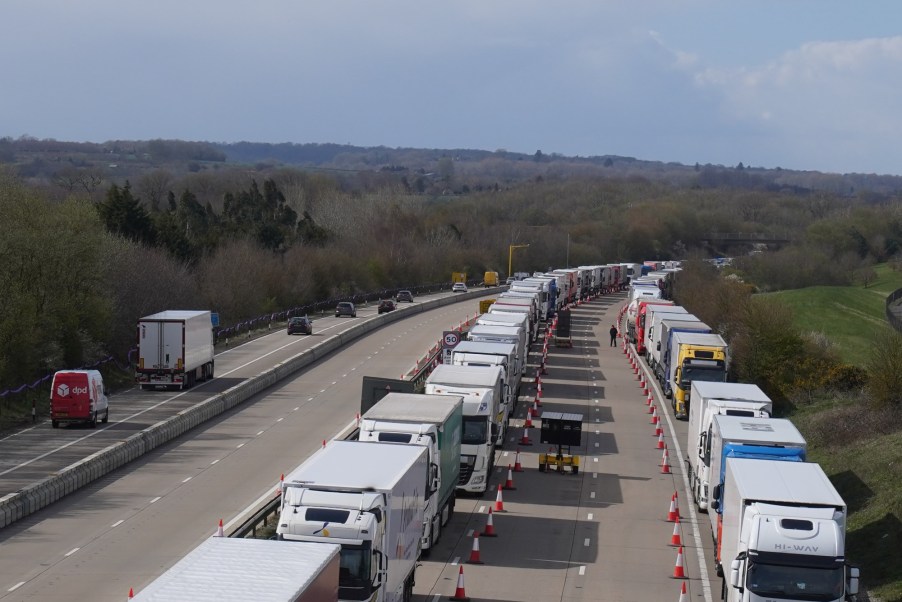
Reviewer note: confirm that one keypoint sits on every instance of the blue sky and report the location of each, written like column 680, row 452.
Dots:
column 798, row 84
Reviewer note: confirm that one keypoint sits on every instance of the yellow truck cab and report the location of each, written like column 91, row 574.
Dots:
column 695, row 356
column 490, row 279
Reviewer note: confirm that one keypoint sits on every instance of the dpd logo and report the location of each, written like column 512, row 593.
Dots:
column 62, row 390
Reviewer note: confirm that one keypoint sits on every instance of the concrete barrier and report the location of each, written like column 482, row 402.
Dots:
column 32, row 498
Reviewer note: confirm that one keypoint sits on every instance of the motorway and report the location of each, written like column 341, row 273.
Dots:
column 36, row 452
column 126, row 528
column 599, row 535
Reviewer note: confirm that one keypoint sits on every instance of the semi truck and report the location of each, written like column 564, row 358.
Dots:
column 370, row 498
column 694, row 356
column 644, row 319
column 484, row 418
column 635, row 310
column 741, row 437
column 475, row 353
column 659, row 355
column 784, row 534
column 431, row 421
column 516, row 307
column 654, row 315
column 712, row 399
column 513, row 335
column 237, row 570
column 543, row 288
column 175, row 349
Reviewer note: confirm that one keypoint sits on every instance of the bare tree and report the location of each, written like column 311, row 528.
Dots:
column 154, row 186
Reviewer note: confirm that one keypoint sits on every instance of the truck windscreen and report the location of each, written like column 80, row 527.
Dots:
column 476, row 430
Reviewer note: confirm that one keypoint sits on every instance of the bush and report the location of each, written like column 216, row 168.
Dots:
column 885, row 370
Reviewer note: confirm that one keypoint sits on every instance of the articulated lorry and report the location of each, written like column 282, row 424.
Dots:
column 659, row 355
column 741, row 437
column 511, row 334
column 369, row 498
column 484, row 418
column 645, row 318
column 175, row 348
column 507, row 318
column 694, row 356
column 431, row 421
column 476, row 353
column 238, row 570
column 636, row 310
column 712, row 399
column 784, row 534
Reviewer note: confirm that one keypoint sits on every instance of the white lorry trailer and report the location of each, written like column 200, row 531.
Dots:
column 477, row 353
column 370, row 498
column 742, row 437
column 712, row 399
column 784, row 533
column 512, row 335
column 484, row 418
column 658, row 338
column 237, row 570
column 175, row 348
column 504, row 318
column 431, row 421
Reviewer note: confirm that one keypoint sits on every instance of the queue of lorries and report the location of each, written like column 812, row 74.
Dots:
column 365, row 509
column 385, row 493
column 778, row 523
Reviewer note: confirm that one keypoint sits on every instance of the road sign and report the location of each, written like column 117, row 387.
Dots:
column 450, row 339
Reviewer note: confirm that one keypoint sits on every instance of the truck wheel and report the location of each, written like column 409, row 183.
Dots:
column 106, row 416
column 93, row 421
column 55, row 423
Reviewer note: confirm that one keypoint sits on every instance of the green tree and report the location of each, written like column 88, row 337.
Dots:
column 124, row 215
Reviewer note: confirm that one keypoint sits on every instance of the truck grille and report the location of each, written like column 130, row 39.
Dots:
column 466, row 471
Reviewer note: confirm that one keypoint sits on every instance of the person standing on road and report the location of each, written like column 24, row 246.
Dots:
column 613, row 336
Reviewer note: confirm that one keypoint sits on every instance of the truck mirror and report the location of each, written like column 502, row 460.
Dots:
column 715, row 505
column 736, row 573
column 854, row 575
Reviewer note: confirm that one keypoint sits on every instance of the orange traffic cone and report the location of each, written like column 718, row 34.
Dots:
column 528, row 423
column 517, row 466
column 525, row 440
column 535, row 409
column 659, row 430
column 509, row 484
column 499, row 501
column 489, row 526
column 460, row 594
column 131, row 593
column 678, row 572
column 474, row 553
column 684, row 597
column 661, row 440
column 281, row 483
column 219, row 531
column 665, row 463
column 649, row 400
column 675, row 538
column 324, row 443
column 676, row 503
column 538, row 400
column 642, row 384
column 672, row 514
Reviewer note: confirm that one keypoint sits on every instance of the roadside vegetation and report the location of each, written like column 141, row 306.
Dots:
column 832, row 364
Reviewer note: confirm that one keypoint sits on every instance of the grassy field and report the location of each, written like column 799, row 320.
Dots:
column 849, row 315
column 868, row 472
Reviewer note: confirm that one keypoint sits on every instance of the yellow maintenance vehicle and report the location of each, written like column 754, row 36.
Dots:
column 458, row 277
column 490, row 279
column 563, row 430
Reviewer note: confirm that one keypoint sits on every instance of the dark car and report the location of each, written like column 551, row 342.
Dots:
column 386, row 305
column 302, row 325
column 404, row 296
column 345, row 308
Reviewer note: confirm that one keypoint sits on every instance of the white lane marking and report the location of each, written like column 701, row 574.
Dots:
column 333, row 382
column 481, row 509
column 594, row 475
column 186, row 480
column 16, row 586
column 586, row 542
column 455, row 561
column 323, row 390
column 309, row 399
column 470, row 533
column 259, row 433
column 155, row 500
column 595, row 459
column 596, row 444
column 345, row 375
column 589, row 517
column 436, row 597
column 16, row 434
column 214, row 462
column 72, row 551
column 696, row 536
column 116, row 524
column 239, row 446
column 504, row 454
column 592, row 495
column 280, row 419
column 296, row 409
column 582, row 570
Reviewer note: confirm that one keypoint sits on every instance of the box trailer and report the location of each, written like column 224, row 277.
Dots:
column 175, row 348
column 237, row 570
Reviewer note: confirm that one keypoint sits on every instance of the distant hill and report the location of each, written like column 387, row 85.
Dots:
column 121, row 159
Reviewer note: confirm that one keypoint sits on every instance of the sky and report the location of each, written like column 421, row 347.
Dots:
column 797, row 84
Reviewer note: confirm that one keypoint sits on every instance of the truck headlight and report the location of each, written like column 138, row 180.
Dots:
column 478, row 480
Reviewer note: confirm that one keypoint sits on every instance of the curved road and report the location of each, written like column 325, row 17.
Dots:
column 129, row 526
